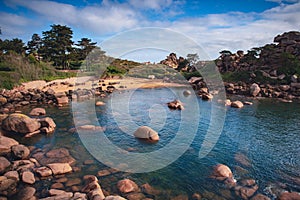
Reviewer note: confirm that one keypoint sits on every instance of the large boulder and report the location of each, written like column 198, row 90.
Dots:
column 20, row 123
column 254, row 90
column 145, row 132
column 127, row 185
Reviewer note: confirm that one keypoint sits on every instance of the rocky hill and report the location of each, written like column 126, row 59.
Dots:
column 277, row 61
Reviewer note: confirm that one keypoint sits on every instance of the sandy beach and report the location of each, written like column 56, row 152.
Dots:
column 88, row 82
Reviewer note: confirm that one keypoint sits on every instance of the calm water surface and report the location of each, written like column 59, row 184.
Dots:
column 267, row 133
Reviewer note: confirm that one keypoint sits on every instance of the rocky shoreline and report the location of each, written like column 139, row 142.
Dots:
column 22, row 167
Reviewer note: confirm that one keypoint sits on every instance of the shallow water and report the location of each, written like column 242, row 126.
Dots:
column 267, row 133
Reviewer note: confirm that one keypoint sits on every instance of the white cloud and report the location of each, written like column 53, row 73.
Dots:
column 151, row 4
column 233, row 31
column 13, row 25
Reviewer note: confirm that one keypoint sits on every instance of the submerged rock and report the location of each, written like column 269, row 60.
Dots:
column 237, row 104
column 114, row 198
column 26, row 193
column 60, row 168
column 145, row 132
column 37, row 112
column 127, row 185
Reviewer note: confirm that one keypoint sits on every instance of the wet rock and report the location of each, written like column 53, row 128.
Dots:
column 260, row 197
column 20, row 151
column 207, row 96
column 254, row 90
column 114, row 198
column 28, row 177
column 104, row 172
column 63, row 100
column 126, row 186
column 100, row 103
column 176, row 105
column 37, row 112
column 187, row 92
column 92, row 188
column 88, row 162
column 58, row 153
column 2, row 117
column 57, row 186
column 74, row 181
column 248, row 103
column 294, row 78
column 60, row 168
column 7, row 186
column 47, row 125
column 148, row 189
column 22, row 165
column 135, row 196
column 196, row 196
column 5, row 144
column 12, row 175
column 60, row 194
column 4, row 164
column 90, row 128
column 246, row 192
column 289, row 196
column 223, row 173
column 43, row 171
column 242, row 159
column 20, row 123
column 237, row 104
column 145, row 132
column 79, row 196
column 180, row 197
column 26, row 193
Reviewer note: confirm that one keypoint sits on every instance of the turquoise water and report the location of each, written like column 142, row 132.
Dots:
column 267, row 133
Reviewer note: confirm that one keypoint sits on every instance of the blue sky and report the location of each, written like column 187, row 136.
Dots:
column 213, row 24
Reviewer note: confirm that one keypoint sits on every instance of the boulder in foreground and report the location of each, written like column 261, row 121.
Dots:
column 20, row 123
column 145, row 132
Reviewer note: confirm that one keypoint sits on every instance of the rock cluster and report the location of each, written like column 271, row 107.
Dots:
column 26, row 126
column 10, row 100
column 267, row 58
column 245, row 188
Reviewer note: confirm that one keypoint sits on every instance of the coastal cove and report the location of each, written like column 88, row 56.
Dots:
column 259, row 142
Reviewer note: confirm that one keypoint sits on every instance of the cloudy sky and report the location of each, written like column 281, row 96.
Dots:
column 214, row 24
